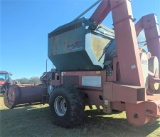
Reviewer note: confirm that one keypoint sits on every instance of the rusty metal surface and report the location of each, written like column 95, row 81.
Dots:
column 136, row 114
column 117, row 105
column 20, row 95
column 126, row 40
column 125, row 93
column 92, row 97
column 11, row 96
column 71, row 80
column 145, row 112
column 101, row 12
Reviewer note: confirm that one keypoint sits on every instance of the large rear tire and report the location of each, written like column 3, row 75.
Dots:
column 67, row 107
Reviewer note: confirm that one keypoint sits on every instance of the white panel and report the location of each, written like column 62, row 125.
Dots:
column 93, row 81
column 88, row 45
column 144, row 63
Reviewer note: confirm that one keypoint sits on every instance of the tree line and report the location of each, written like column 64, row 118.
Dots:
column 32, row 80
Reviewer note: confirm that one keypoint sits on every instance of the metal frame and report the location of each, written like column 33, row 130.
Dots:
column 125, row 88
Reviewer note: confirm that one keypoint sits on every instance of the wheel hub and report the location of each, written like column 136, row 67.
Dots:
column 60, row 106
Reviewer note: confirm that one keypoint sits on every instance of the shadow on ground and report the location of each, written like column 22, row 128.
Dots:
column 36, row 122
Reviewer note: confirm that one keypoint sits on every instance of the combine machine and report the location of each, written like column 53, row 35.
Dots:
column 99, row 66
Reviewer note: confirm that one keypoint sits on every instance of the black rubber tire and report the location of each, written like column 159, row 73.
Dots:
column 5, row 88
column 75, row 106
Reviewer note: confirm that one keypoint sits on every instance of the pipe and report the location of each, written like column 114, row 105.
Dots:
column 46, row 64
column 16, row 95
column 87, row 9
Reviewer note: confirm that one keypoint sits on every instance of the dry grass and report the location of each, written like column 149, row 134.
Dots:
column 35, row 121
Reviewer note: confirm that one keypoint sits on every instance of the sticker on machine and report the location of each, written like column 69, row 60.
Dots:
column 91, row 81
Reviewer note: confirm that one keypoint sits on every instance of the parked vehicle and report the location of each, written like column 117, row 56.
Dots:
column 5, row 81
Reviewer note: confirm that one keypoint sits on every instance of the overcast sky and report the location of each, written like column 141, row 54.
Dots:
column 25, row 25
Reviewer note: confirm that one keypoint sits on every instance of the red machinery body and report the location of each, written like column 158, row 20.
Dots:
column 100, row 90
column 5, row 81
column 18, row 95
column 130, row 84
